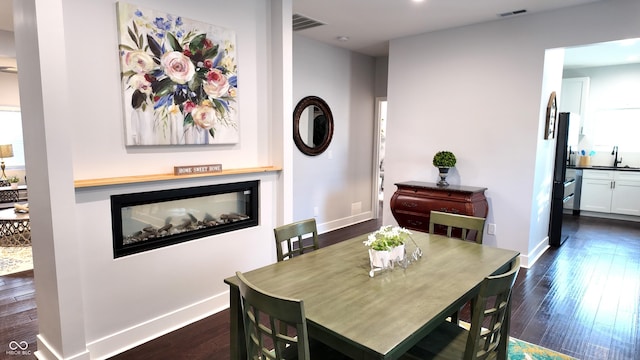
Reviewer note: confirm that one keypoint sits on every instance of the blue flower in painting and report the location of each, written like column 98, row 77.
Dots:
column 161, row 24
column 179, row 33
column 179, row 21
column 138, row 13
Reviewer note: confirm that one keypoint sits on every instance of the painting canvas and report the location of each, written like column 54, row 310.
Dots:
column 179, row 79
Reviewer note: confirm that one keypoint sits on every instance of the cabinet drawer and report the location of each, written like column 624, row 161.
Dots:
column 598, row 174
column 627, row 175
column 435, row 194
column 406, row 203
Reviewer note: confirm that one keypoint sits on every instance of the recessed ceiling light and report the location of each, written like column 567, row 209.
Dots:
column 342, row 38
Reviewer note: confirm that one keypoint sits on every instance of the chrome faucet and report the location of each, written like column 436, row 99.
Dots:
column 615, row 159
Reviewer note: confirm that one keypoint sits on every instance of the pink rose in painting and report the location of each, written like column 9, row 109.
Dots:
column 217, row 84
column 204, row 115
column 177, row 66
column 139, row 82
column 139, row 61
column 189, row 106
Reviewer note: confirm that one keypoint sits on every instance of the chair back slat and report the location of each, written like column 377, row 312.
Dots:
column 296, row 238
column 467, row 224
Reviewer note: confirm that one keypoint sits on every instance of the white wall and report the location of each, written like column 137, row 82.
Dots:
column 89, row 304
column 9, row 90
column 343, row 174
column 478, row 91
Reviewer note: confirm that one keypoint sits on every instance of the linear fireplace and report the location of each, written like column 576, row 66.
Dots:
column 154, row 219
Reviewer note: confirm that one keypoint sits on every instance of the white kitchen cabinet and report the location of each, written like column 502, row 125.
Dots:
column 574, row 94
column 625, row 198
column 573, row 98
column 606, row 191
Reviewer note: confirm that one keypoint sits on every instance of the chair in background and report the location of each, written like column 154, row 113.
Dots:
column 296, row 235
column 492, row 307
column 455, row 221
column 264, row 316
column 466, row 224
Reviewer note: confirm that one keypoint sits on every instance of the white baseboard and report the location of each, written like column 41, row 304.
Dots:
column 344, row 222
column 136, row 335
column 46, row 352
column 526, row 261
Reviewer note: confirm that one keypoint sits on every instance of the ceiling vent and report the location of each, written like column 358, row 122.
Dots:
column 301, row 22
column 511, row 13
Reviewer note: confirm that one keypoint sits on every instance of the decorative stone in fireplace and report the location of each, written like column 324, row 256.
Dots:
column 154, row 219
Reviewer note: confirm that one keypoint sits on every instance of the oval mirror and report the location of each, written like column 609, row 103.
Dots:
column 312, row 125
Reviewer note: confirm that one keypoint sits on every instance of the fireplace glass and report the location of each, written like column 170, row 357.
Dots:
column 150, row 220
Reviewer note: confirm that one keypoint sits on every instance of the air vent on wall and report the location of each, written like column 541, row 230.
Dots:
column 301, row 22
column 510, row 13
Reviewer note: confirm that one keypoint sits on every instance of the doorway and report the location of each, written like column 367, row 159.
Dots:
column 379, row 143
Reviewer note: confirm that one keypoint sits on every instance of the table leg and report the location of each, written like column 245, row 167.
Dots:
column 237, row 344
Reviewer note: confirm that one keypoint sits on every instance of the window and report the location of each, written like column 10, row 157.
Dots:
column 11, row 133
column 616, row 127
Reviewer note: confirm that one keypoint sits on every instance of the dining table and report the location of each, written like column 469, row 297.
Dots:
column 380, row 316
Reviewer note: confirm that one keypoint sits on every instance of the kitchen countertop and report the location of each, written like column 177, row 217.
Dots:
column 598, row 167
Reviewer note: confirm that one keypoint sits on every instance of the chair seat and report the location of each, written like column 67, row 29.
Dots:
column 446, row 342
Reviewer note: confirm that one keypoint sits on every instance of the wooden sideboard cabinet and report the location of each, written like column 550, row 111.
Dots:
column 412, row 203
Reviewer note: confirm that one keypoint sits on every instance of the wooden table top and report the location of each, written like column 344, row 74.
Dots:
column 385, row 315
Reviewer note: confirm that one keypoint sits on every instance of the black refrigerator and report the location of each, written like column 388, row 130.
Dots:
column 563, row 188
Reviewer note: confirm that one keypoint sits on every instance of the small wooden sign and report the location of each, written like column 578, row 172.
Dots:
column 197, row 169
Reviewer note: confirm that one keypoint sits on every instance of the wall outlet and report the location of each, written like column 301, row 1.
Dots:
column 356, row 208
column 315, row 211
column 491, row 229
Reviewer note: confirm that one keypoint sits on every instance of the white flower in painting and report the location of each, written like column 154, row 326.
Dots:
column 204, row 115
column 139, row 61
column 140, row 83
column 178, row 67
column 217, row 84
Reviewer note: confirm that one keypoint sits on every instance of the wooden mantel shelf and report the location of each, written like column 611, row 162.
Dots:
column 167, row 177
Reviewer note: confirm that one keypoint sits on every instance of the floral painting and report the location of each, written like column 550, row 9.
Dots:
column 179, row 79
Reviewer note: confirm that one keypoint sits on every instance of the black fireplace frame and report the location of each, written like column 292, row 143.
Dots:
column 118, row 202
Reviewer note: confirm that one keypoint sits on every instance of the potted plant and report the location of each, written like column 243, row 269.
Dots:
column 386, row 245
column 444, row 160
column 14, row 181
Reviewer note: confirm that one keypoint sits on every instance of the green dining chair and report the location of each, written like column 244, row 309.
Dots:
column 456, row 221
column 276, row 327
column 484, row 339
column 296, row 239
column 264, row 316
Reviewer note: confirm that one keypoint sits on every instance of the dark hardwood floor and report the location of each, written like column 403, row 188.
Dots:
column 582, row 299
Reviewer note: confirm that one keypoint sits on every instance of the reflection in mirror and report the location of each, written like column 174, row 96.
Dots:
column 312, row 125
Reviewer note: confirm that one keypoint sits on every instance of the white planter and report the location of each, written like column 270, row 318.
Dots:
column 14, row 185
column 384, row 259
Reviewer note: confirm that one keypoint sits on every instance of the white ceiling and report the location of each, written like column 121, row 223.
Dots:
column 370, row 24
